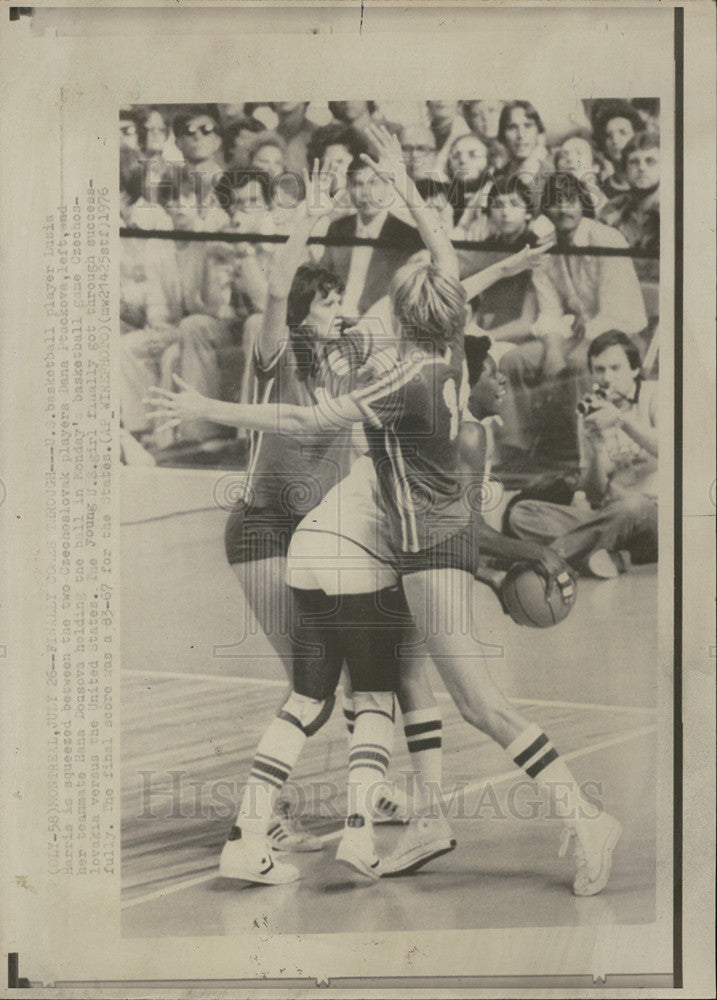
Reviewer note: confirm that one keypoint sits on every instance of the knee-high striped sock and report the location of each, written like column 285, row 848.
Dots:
column 534, row 752
column 423, row 728
column 370, row 750
column 273, row 762
column 349, row 714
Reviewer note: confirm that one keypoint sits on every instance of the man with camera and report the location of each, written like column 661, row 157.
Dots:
column 612, row 520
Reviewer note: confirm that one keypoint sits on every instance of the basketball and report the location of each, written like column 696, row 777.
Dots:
column 526, row 601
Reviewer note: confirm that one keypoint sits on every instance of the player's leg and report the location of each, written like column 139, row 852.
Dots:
column 256, row 548
column 483, row 705
column 373, row 628
column 317, row 665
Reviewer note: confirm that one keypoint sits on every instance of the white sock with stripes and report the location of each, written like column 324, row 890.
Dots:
column 273, row 762
column 534, row 752
column 423, row 728
column 348, row 710
column 370, row 750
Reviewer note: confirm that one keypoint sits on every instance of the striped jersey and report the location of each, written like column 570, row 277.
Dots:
column 412, row 423
column 292, row 473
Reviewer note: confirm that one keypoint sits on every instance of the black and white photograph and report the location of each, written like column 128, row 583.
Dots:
column 358, row 511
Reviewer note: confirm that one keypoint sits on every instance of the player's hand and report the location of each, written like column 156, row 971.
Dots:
column 176, row 407
column 390, row 165
column 557, row 573
column 525, row 259
column 318, row 192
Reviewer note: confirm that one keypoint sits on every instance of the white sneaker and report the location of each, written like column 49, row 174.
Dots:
column 593, row 855
column 247, row 856
column 392, row 807
column 287, row 833
column 425, row 839
column 356, row 848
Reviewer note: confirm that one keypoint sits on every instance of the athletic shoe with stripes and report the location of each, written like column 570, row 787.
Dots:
column 426, row 839
column 356, row 849
column 247, row 856
column 593, row 855
column 287, row 833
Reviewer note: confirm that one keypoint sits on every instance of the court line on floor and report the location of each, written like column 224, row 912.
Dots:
column 443, row 695
column 474, row 786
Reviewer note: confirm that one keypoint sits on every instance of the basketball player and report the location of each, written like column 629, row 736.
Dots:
column 411, row 419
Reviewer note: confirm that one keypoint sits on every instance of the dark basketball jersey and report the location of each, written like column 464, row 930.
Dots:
column 412, row 429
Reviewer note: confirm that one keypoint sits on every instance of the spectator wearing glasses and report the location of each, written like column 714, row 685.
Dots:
column 296, row 130
column 198, row 136
column 418, row 146
column 578, row 298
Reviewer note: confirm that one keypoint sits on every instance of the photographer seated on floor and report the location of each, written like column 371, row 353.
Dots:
column 612, row 519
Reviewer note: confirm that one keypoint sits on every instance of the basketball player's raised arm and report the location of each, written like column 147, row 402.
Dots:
column 286, row 263
column 432, row 230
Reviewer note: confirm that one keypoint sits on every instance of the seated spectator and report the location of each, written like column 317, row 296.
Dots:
column 616, row 122
column 466, row 170
column 150, row 306
column 507, row 309
column 613, row 518
column 198, row 136
column 153, row 132
column 418, row 146
column 358, row 115
column 296, row 130
column 636, row 214
column 446, row 123
column 335, row 147
column 268, row 154
column 247, row 196
column 366, row 272
column 482, row 118
column 649, row 110
column 522, row 132
column 578, row 297
column 238, row 137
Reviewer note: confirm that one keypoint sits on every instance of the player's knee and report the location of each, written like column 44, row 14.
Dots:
column 381, row 702
column 484, row 715
column 307, row 714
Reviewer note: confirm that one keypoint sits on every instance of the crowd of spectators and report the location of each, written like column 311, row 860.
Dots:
column 501, row 173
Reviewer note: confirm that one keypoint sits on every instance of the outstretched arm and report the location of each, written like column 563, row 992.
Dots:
column 287, row 260
column 390, row 167
column 524, row 260
column 174, row 408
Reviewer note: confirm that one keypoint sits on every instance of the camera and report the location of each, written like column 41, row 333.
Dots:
column 586, row 406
